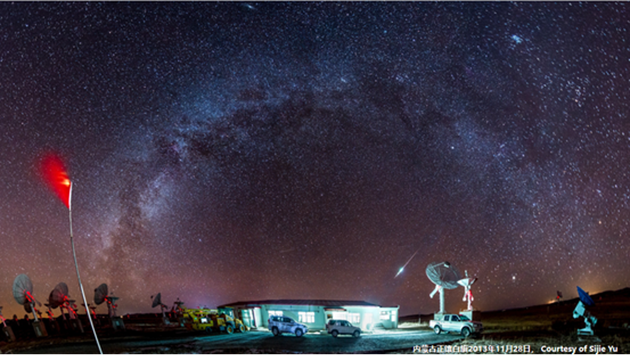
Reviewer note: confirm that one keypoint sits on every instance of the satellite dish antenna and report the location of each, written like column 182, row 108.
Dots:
column 23, row 294
column 443, row 275
column 580, row 310
column 101, row 295
column 57, row 298
column 157, row 301
column 467, row 283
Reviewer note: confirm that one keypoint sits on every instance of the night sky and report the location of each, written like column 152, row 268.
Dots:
column 224, row 152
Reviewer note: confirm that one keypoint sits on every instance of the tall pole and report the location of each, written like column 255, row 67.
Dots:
column 76, row 266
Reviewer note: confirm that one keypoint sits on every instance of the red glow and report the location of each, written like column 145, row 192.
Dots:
column 54, row 173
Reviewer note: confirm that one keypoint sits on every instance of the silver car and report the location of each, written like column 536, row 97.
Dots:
column 280, row 324
column 336, row 327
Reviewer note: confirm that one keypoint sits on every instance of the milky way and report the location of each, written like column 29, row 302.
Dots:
column 238, row 151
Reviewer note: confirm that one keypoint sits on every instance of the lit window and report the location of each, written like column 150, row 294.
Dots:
column 339, row 315
column 354, row 318
column 275, row 313
column 384, row 315
column 307, row 317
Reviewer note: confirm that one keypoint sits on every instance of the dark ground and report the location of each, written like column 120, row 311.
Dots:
column 250, row 342
column 549, row 325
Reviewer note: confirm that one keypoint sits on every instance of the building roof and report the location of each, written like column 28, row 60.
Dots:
column 326, row 303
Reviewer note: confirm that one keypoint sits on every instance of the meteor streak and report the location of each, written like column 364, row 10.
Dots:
column 403, row 268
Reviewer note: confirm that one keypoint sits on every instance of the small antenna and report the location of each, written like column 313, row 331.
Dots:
column 467, row 283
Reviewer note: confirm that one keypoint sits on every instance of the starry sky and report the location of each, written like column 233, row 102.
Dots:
column 223, row 152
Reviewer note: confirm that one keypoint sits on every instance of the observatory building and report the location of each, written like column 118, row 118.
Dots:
column 316, row 313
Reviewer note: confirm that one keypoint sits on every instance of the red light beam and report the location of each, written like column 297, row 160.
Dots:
column 54, row 173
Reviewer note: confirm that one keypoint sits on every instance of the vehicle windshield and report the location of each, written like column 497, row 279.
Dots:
column 226, row 311
column 463, row 318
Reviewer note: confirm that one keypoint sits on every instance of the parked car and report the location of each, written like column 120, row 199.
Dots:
column 338, row 326
column 280, row 324
column 458, row 323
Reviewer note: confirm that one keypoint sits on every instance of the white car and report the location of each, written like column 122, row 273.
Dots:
column 458, row 323
column 280, row 324
column 338, row 326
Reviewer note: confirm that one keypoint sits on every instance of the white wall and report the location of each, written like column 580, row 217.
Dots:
column 364, row 317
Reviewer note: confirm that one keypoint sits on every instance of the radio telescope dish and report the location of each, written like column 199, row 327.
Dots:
column 585, row 298
column 580, row 310
column 443, row 275
column 58, row 296
column 100, row 294
column 21, row 286
column 23, row 294
column 157, row 301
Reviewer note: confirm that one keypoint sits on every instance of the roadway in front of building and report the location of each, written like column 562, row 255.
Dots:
column 255, row 342
column 325, row 343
